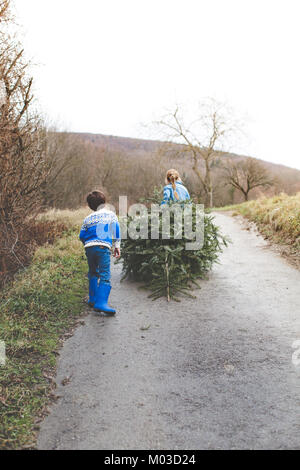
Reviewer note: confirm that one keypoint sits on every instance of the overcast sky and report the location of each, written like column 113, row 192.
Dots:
column 105, row 66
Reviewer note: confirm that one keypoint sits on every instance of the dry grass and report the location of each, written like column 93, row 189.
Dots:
column 71, row 218
column 277, row 218
column 29, row 235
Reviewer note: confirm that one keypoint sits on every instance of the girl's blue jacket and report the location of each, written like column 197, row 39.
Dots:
column 169, row 193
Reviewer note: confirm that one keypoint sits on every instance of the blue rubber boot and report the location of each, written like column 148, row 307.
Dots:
column 102, row 294
column 92, row 291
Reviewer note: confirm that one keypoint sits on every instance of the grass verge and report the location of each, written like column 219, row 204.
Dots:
column 36, row 310
column 277, row 218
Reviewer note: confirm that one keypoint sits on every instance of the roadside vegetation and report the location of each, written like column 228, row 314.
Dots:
column 277, row 218
column 38, row 309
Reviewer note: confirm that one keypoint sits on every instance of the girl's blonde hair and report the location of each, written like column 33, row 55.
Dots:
column 171, row 177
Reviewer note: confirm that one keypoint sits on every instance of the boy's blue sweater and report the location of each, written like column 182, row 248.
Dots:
column 101, row 228
column 169, row 193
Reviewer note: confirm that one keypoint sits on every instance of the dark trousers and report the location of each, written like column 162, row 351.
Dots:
column 98, row 259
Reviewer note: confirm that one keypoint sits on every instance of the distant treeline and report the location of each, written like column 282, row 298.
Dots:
column 81, row 162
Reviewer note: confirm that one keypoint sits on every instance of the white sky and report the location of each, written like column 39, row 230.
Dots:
column 105, row 66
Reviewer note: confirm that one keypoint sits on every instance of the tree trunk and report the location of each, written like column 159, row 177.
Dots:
column 208, row 184
column 210, row 194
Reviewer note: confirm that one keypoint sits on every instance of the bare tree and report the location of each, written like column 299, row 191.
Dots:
column 68, row 160
column 4, row 10
column 204, row 138
column 246, row 175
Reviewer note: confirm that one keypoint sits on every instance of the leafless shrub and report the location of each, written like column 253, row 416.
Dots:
column 23, row 168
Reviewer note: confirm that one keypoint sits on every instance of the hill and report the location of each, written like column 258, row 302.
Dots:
column 289, row 177
column 146, row 146
column 133, row 167
column 122, row 144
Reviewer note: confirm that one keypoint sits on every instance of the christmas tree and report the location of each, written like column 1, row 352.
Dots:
column 160, row 253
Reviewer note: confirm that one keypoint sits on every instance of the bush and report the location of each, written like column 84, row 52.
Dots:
column 19, row 254
column 23, row 166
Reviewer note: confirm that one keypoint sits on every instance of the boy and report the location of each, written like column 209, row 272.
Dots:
column 98, row 232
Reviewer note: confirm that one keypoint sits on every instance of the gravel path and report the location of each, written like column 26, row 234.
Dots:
column 211, row 373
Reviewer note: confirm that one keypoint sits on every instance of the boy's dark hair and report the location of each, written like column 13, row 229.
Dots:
column 95, row 199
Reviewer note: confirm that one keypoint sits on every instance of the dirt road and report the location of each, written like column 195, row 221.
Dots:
column 211, row 373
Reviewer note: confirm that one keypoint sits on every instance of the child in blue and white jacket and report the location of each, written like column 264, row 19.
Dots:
column 99, row 231
column 174, row 191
